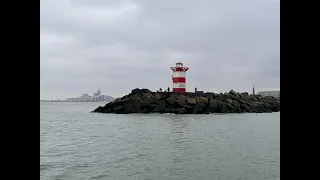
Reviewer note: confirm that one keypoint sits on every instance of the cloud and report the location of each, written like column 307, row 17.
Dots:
column 118, row 45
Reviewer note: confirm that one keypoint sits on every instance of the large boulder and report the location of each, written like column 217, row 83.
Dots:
column 274, row 108
column 148, row 102
column 146, row 91
column 171, row 100
column 240, row 95
column 245, row 107
column 232, row 92
column 147, row 99
column 125, row 99
column 191, row 101
column 143, row 110
column 108, row 110
column 228, row 101
column 202, row 100
column 170, row 110
column 209, row 95
column 236, row 103
column 258, row 95
column 260, row 106
column 243, row 102
column 266, row 107
column 150, row 108
column 199, row 107
column 235, row 97
column 157, row 96
column 180, row 111
column 114, row 103
column 183, row 97
column 253, row 97
column 223, row 106
column 245, row 93
column 212, row 107
column 188, row 106
column 161, row 102
column 118, row 108
column 181, row 102
column 98, row 109
column 140, row 91
column 161, row 105
column 128, row 107
column 220, row 97
column 136, row 91
column 136, row 100
column 254, row 107
column 199, row 94
column 159, row 109
column 232, row 108
column 174, row 96
column 146, row 96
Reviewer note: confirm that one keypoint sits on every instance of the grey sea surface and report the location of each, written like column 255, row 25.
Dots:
column 78, row 145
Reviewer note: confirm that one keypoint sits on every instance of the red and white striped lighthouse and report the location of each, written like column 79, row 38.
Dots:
column 179, row 77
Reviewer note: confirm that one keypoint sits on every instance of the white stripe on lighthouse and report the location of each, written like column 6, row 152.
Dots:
column 179, row 85
column 179, row 74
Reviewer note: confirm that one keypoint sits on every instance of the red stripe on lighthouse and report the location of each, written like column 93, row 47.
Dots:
column 179, row 80
column 179, row 89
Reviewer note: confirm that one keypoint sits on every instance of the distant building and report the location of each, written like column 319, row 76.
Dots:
column 98, row 93
column 85, row 95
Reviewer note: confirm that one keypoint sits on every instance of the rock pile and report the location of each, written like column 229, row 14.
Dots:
column 145, row 101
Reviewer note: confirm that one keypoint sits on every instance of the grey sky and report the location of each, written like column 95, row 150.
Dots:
column 118, row 45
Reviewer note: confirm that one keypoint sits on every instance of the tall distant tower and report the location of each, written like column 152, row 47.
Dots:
column 253, row 90
column 99, row 92
column 179, row 77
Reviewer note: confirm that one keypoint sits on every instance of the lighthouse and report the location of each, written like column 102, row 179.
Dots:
column 179, row 77
column 253, row 92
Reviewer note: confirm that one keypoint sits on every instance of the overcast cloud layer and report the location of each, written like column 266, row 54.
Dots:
column 118, row 45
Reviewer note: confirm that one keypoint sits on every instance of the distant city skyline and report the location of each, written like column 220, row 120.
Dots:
column 97, row 96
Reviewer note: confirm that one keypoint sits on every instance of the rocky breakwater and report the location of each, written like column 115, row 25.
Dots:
column 145, row 101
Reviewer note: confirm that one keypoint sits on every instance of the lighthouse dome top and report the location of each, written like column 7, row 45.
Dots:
column 179, row 67
column 179, row 64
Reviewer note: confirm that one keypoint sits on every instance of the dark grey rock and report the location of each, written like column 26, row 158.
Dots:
column 171, row 100
column 180, row 111
column 170, row 110
column 191, row 101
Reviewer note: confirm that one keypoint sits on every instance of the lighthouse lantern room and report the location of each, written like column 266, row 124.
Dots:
column 179, row 77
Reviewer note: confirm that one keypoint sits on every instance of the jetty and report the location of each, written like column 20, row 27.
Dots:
column 146, row 101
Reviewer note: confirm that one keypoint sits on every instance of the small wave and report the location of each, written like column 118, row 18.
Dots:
column 44, row 167
column 101, row 176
